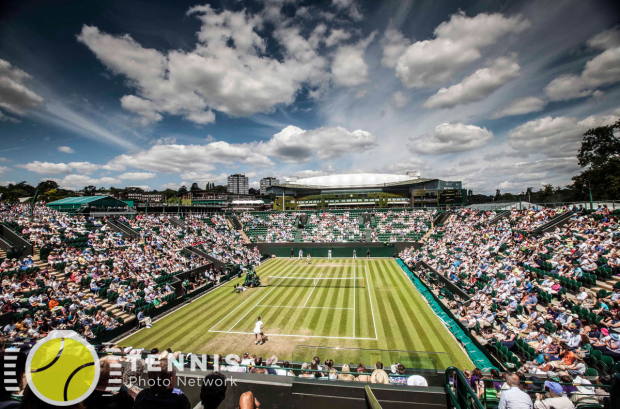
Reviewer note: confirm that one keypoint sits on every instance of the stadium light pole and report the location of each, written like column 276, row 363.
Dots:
column 590, row 193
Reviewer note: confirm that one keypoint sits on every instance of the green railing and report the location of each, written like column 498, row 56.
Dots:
column 459, row 391
column 371, row 401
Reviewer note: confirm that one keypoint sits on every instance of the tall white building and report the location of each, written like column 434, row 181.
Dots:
column 265, row 183
column 238, row 184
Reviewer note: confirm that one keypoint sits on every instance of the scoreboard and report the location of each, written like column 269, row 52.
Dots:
column 455, row 197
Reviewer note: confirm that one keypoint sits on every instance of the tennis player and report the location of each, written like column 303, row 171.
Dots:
column 258, row 330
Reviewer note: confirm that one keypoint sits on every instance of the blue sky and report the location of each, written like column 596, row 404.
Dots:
column 159, row 94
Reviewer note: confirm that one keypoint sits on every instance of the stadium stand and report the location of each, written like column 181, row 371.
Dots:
column 538, row 289
column 543, row 303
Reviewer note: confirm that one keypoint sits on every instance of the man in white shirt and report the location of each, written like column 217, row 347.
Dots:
column 258, row 330
column 514, row 398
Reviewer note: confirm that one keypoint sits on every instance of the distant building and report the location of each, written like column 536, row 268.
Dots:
column 141, row 196
column 367, row 190
column 238, row 184
column 266, row 183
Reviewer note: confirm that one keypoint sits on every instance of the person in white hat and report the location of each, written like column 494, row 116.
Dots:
column 585, row 395
column 416, row 380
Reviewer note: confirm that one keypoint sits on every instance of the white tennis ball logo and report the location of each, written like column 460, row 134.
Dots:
column 62, row 369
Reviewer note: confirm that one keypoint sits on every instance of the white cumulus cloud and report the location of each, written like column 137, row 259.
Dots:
column 477, row 86
column 556, row 137
column 520, row 106
column 49, row 168
column 450, row 137
column 604, row 69
column 183, row 158
column 76, row 181
column 15, row 96
column 348, row 67
column 294, row 144
column 457, row 43
column 137, row 176
column 227, row 71
column 66, row 149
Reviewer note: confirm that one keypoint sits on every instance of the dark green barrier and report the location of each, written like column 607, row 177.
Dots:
column 471, row 336
column 384, row 251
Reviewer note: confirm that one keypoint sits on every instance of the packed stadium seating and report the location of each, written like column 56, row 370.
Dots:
column 540, row 300
column 545, row 302
column 334, row 226
column 269, row 226
column 401, row 225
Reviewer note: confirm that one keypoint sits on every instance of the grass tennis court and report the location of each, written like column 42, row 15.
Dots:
column 351, row 304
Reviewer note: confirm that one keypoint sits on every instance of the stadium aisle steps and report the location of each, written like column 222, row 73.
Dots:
column 427, row 235
column 241, row 230
column 367, row 235
column 298, row 235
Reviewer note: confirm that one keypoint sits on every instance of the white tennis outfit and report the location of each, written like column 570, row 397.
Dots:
column 258, row 327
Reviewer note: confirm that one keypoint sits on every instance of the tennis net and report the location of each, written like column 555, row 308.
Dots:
column 335, row 282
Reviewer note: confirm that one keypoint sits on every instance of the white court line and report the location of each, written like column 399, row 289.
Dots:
column 293, row 306
column 227, row 315
column 354, row 280
column 313, row 288
column 248, row 299
column 274, row 287
column 294, row 335
column 370, row 297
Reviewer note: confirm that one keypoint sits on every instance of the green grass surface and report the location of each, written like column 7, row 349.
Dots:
column 304, row 318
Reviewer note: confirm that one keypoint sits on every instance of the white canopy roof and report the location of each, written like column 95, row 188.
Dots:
column 355, row 179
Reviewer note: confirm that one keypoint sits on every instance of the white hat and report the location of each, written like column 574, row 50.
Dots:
column 586, row 390
column 416, row 380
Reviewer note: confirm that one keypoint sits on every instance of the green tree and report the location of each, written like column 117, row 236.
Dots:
column 134, row 189
column 546, row 192
column 90, row 190
column 46, row 185
column 599, row 157
column 169, row 193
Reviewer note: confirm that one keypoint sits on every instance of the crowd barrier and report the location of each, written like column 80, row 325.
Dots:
column 339, row 250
